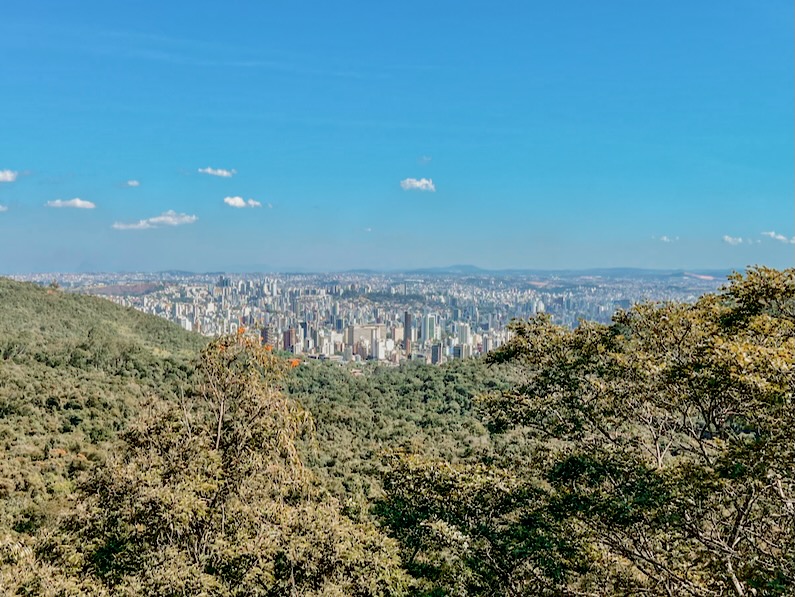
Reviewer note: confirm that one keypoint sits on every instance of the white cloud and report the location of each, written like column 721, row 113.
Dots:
column 139, row 225
column 240, row 202
column 167, row 218
column 368, row 229
column 133, row 183
column 172, row 218
column 3, row 208
column 270, row 206
column 779, row 237
column 732, row 240
column 412, row 184
column 76, row 203
column 425, row 160
column 668, row 239
column 8, row 175
column 218, row 172
column 235, row 201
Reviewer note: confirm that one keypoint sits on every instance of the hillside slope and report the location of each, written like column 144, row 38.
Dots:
column 45, row 317
column 73, row 371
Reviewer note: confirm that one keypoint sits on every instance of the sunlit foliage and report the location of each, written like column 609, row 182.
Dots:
column 658, row 457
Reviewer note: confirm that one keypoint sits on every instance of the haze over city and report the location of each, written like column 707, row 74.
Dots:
column 330, row 136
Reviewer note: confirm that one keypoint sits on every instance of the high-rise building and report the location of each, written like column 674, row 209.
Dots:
column 462, row 351
column 407, row 323
column 290, row 339
column 428, row 328
column 374, row 341
column 436, row 354
column 464, row 334
column 268, row 335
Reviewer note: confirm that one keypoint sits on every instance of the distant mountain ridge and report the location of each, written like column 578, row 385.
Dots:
column 474, row 270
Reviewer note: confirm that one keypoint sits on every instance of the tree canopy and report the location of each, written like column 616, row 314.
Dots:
column 653, row 455
column 210, row 497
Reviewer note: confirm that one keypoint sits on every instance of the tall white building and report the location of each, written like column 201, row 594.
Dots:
column 428, row 330
column 464, row 334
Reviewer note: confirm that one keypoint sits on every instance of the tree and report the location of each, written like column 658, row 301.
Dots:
column 210, row 497
column 657, row 456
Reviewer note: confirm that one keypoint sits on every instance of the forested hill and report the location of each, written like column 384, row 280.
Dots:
column 413, row 409
column 79, row 374
column 45, row 319
column 74, row 370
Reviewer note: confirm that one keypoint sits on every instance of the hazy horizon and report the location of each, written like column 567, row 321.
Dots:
column 460, row 269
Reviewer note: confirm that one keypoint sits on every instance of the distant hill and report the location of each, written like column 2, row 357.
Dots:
column 463, row 269
column 614, row 272
column 450, row 269
column 46, row 318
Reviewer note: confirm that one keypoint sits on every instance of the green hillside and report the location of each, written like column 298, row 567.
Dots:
column 77, row 371
column 47, row 319
column 73, row 371
column 416, row 408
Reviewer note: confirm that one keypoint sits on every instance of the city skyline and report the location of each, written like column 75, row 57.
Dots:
column 391, row 318
column 313, row 137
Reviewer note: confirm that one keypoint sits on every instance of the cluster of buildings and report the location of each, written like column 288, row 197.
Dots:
column 368, row 316
column 328, row 319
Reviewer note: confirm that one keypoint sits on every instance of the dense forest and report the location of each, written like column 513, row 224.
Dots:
column 651, row 456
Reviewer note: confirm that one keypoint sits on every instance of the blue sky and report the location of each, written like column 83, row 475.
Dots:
column 391, row 135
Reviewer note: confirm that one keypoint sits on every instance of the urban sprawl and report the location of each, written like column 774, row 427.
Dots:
column 352, row 317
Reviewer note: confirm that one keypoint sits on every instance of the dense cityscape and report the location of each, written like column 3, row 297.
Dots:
column 358, row 316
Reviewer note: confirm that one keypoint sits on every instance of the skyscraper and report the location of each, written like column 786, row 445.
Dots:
column 436, row 354
column 428, row 328
column 268, row 335
column 290, row 339
column 407, row 332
